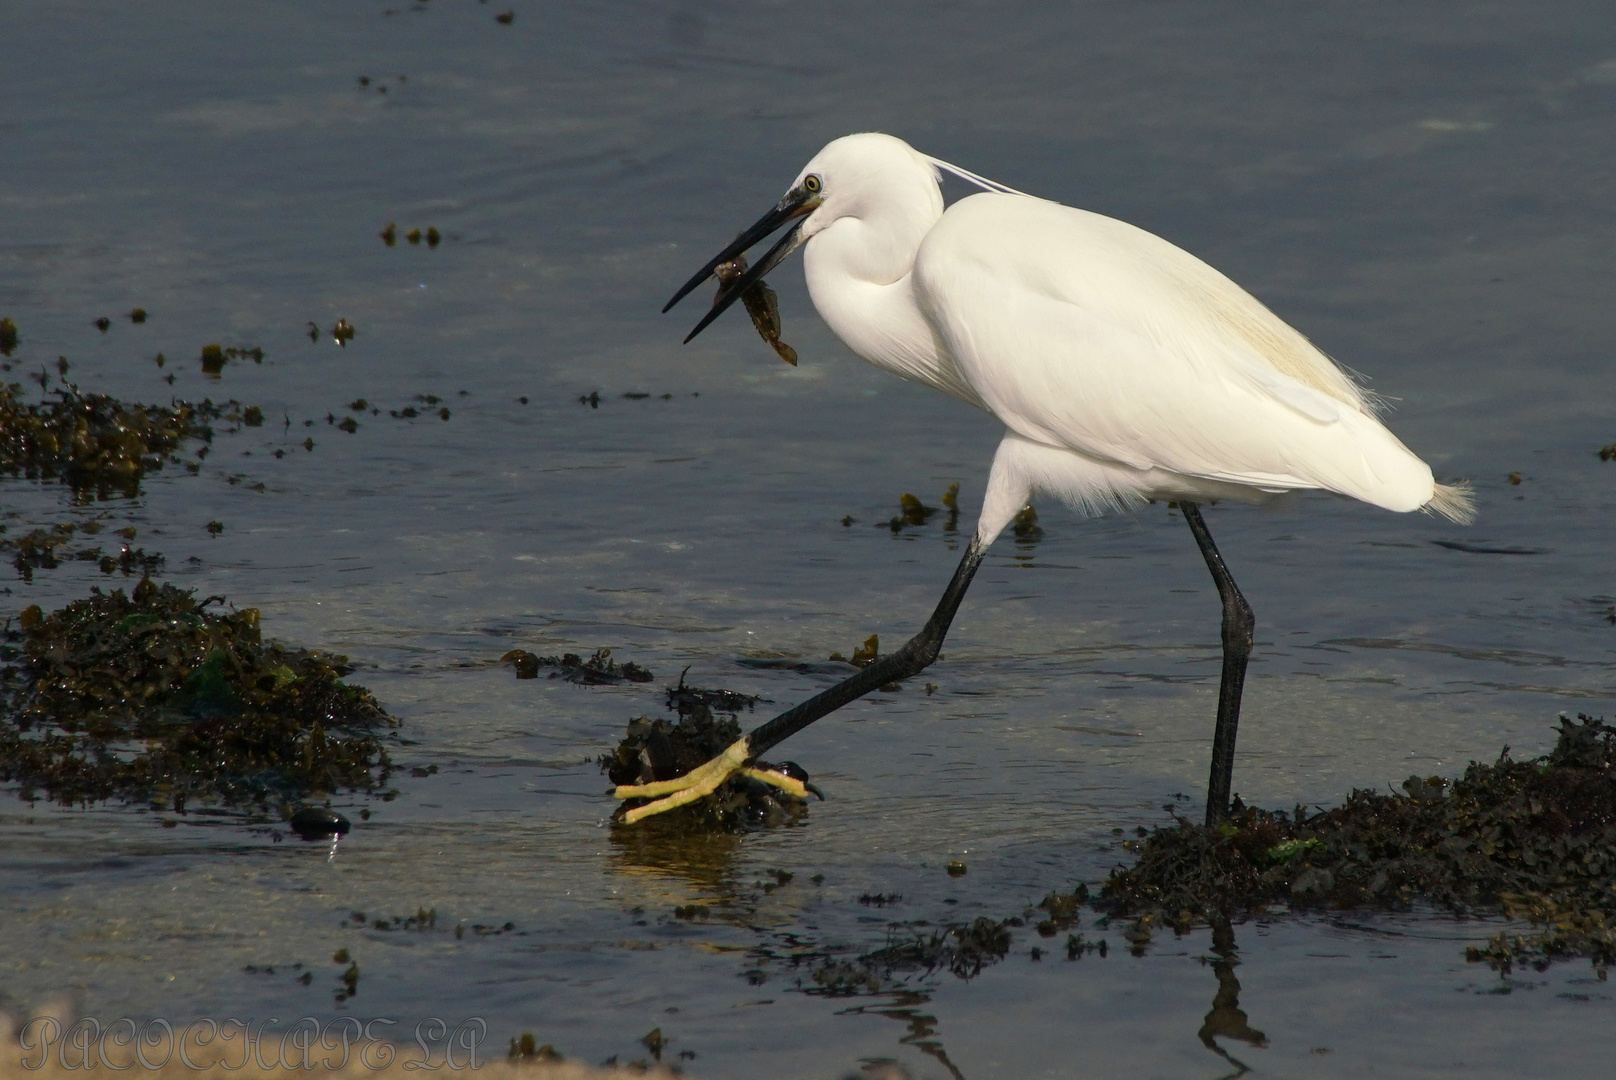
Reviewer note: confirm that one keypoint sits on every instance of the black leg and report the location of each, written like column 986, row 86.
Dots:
column 907, row 662
column 912, row 659
column 1238, row 623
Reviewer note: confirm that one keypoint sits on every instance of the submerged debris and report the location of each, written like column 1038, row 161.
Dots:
column 214, row 357
column 1025, row 526
column 599, row 670
column 962, row 950
column 8, row 336
column 37, row 550
column 914, row 950
column 654, row 749
column 761, row 303
column 1534, row 839
column 153, row 697
column 92, row 442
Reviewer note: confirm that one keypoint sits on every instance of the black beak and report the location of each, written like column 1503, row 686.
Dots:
column 798, row 203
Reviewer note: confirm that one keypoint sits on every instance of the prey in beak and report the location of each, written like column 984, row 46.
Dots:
column 760, row 303
column 798, row 203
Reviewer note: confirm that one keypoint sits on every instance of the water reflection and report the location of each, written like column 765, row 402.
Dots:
column 905, row 1008
column 664, row 847
column 1227, row 1020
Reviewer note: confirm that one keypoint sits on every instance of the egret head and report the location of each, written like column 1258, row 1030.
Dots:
column 848, row 178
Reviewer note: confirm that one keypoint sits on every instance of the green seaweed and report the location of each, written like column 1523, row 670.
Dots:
column 38, row 550
column 152, row 697
column 599, row 670
column 1532, row 839
column 94, row 443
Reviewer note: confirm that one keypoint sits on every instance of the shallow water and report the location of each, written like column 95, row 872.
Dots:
column 1421, row 190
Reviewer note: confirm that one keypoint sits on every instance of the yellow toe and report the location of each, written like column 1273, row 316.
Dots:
column 697, row 783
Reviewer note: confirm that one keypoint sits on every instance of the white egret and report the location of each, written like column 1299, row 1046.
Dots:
column 1123, row 369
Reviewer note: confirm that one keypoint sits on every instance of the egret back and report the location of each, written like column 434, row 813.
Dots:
column 1083, row 332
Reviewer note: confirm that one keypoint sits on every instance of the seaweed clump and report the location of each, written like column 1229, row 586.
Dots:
column 962, row 949
column 706, row 724
column 599, row 670
column 93, row 442
column 38, row 550
column 1533, row 839
column 152, row 697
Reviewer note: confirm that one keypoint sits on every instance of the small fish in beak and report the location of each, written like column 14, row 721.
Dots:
column 761, row 303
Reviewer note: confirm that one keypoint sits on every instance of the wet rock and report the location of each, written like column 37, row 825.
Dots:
column 153, row 697
column 318, row 822
column 1314, row 879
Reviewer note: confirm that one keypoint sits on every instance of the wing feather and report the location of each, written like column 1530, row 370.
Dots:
column 1084, row 332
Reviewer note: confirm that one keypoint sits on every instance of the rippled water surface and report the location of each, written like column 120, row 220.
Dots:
column 1423, row 189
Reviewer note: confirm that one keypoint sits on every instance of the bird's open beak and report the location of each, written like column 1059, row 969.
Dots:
column 798, row 203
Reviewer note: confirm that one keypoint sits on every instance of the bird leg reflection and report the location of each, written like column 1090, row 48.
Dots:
column 1227, row 1020
column 1238, row 623
column 914, row 657
column 922, row 1027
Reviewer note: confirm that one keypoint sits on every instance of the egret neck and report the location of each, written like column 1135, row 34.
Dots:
column 860, row 273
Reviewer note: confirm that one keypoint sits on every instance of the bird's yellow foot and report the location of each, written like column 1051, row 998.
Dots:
column 702, row 781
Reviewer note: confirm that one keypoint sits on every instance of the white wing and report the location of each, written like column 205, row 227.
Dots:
column 1083, row 332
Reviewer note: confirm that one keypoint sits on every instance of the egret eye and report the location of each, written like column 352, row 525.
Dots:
column 811, row 184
